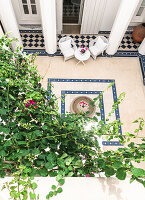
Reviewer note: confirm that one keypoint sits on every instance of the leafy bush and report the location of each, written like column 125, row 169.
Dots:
column 35, row 137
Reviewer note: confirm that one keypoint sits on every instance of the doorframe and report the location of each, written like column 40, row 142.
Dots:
column 81, row 12
column 138, row 18
column 23, row 19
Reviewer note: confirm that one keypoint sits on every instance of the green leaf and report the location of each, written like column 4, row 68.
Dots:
column 44, row 127
column 34, row 185
column 8, row 143
column 3, row 153
column 3, row 111
column 43, row 172
column 51, row 194
column 136, row 121
column 32, row 195
column 53, row 174
column 12, row 97
column 47, row 196
column 101, row 163
column 132, row 179
column 69, row 160
column 61, row 181
column 60, row 163
column 121, row 173
column 53, row 187
column 59, row 190
column 49, row 165
column 109, row 171
column 2, row 174
column 70, row 174
column 35, row 151
column 138, row 172
column 38, row 133
column 64, row 155
column 117, row 164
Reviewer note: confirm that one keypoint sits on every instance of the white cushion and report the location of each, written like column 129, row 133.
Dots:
column 65, row 45
column 95, row 51
column 68, row 53
column 100, row 44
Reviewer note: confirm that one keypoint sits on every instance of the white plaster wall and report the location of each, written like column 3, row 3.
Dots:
column 87, row 189
column 109, row 14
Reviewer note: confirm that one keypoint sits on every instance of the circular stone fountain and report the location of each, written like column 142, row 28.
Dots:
column 82, row 105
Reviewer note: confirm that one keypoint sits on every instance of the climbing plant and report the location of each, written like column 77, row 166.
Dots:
column 36, row 140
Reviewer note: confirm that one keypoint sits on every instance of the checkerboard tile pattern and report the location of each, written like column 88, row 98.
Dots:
column 35, row 40
column 127, row 43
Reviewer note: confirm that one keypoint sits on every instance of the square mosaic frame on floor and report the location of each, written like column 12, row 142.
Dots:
column 64, row 92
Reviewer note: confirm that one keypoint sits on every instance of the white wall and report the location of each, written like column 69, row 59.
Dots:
column 109, row 14
column 87, row 189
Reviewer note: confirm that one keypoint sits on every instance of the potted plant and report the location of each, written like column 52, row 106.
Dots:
column 139, row 33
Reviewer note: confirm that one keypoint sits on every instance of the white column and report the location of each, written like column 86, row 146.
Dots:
column 48, row 18
column 122, row 20
column 141, row 48
column 9, row 21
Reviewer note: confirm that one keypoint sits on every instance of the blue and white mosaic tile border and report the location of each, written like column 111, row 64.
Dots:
column 106, row 143
column 65, row 92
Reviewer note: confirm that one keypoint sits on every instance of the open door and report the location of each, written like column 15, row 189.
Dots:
column 92, row 16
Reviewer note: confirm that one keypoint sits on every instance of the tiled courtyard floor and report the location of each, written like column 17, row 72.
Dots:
column 125, row 71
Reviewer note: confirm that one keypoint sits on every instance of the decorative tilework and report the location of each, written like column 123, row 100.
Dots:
column 33, row 39
column 128, row 43
column 50, row 81
column 142, row 65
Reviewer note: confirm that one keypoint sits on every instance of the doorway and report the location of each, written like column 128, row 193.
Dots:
column 72, row 16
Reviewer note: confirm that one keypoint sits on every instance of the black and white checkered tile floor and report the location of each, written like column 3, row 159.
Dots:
column 35, row 40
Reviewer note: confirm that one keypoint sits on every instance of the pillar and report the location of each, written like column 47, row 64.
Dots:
column 141, row 48
column 48, row 20
column 9, row 21
column 122, row 20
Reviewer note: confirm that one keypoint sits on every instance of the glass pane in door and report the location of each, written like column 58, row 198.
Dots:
column 26, row 10
column 140, row 11
column 32, row 1
column 143, row 3
column 71, row 10
column 24, row 1
column 34, row 11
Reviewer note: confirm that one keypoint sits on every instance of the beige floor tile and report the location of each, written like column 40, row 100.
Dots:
column 125, row 71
